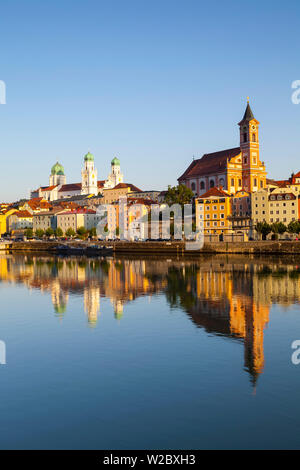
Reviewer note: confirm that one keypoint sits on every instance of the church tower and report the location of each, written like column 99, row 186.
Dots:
column 115, row 176
column 253, row 170
column 57, row 176
column 89, row 176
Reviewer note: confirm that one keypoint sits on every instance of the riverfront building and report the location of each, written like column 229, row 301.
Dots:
column 235, row 169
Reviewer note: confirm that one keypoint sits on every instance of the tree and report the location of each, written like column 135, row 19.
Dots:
column 29, row 233
column 39, row 233
column 49, row 232
column 294, row 227
column 93, row 232
column 264, row 229
column 59, row 232
column 180, row 194
column 278, row 228
column 70, row 233
column 82, row 232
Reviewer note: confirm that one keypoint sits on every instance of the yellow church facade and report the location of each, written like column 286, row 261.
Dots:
column 235, row 169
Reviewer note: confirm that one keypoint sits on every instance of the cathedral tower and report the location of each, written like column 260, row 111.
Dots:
column 89, row 176
column 57, row 176
column 115, row 176
column 253, row 170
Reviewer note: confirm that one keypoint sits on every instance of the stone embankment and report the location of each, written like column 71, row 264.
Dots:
column 255, row 247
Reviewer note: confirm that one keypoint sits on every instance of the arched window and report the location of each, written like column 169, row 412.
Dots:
column 245, row 136
column 221, row 182
column 255, row 182
column 253, row 137
column 202, row 185
column 193, row 187
column 211, row 183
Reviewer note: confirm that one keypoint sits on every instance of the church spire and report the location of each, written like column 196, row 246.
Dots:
column 248, row 116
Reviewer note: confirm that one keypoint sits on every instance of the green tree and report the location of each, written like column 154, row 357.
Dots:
column 180, row 194
column 294, row 227
column 29, row 233
column 59, row 232
column 278, row 228
column 49, row 232
column 264, row 229
column 70, row 233
column 39, row 233
column 82, row 232
column 93, row 232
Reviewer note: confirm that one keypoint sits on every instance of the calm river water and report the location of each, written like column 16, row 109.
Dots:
column 149, row 354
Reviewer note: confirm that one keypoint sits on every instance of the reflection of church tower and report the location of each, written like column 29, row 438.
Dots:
column 118, row 308
column 89, row 176
column 91, row 297
column 257, row 316
column 59, row 298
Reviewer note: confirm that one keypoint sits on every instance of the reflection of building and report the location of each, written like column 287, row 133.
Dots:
column 225, row 305
column 92, row 303
column 59, row 298
column 229, row 299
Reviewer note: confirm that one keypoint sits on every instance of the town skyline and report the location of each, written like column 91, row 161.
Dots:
column 105, row 82
column 102, row 174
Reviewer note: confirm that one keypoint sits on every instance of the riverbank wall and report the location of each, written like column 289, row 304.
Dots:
column 255, row 247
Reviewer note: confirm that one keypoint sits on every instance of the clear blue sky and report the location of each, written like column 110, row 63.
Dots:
column 152, row 82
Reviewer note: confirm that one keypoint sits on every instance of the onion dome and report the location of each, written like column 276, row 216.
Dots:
column 57, row 169
column 115, row 161
column 89, row 157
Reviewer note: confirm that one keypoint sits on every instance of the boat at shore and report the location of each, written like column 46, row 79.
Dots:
column 92, row 250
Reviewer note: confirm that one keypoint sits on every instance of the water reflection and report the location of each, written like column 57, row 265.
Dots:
column 230, row 297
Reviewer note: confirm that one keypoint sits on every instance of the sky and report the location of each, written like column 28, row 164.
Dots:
column 151, row 82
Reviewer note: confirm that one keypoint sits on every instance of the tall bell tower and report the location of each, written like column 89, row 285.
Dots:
column 89, row 176
column 253, row 170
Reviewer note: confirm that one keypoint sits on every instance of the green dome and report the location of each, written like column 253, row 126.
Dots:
column 115, row 161
column 57, row 169
column 89, row 157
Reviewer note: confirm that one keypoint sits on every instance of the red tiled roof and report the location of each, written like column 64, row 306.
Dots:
column 140, row 200
column 210, row 163
column 214, row 192
column 23, row 214
column 127, row 185
column 70, row 187
column 48, row 188
column 79, row 211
